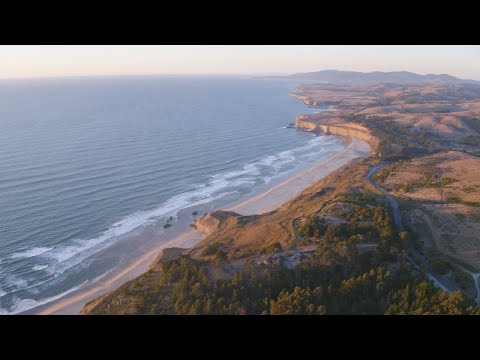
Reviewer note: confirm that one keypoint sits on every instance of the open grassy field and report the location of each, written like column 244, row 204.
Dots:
column 446, row 189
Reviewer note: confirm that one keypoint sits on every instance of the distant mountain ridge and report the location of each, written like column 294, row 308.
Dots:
column 400, row 77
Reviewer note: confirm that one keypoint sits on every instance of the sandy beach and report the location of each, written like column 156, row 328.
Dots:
column 184, row 236
column 294, row 185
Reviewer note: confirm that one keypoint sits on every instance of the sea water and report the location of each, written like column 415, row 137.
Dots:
column 85, row 161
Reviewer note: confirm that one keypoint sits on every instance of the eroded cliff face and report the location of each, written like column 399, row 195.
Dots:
column 306, row 100
column 335, row 127
column 207, row 223
column 304, row 122
column 348, row 130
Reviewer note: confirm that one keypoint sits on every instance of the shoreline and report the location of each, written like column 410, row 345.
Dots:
column 264, row 202
column 290, row 188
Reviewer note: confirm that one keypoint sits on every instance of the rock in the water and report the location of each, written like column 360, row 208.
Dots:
column 195, row 213
column 166, row 226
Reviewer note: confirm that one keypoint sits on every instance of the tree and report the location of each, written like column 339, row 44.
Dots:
column 404, row 237
column 425, row 299
column 302, row 301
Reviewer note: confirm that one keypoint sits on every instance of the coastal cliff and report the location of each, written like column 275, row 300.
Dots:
column 306, row 100
column 314, row 123
column 209, row 222
column 250, row 264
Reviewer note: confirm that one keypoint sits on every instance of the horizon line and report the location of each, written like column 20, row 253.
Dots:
column 35, row 77
column 257, row 74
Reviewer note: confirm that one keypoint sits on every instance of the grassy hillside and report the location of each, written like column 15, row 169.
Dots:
column 334, row 249
column 337, row 219
column 440, row 196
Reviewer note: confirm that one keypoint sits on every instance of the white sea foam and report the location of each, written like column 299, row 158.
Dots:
column 65, row 257
column 39, row 267
column 30, row 253
column 15, row 282
column 73, row 254
column 21, row 305
column 276, row 161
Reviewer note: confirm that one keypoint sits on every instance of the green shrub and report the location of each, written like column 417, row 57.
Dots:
column 452, row 200
column 429, row 181
column 463, row 279
column 272, row 248
column 440, row 266
column 210, row 249
column 313, row 226
column 220, row 255
column 457, row 200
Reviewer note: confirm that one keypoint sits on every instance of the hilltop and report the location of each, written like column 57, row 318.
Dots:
column 397, row 77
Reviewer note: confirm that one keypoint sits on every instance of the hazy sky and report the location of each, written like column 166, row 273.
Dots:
column 40, row 60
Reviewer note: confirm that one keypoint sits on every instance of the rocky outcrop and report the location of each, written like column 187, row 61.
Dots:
column 207, row 223
column 304, row 122
column 306, row 100
column 347, row 129
column 211, row 221
column 335, row 127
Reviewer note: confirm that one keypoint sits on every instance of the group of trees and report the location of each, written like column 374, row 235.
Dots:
column 425, row 299
column 314, row 226
column 333, row 281
column 364, row 220
column 429, row 181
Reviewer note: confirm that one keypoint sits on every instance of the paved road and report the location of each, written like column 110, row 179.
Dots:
column 397, row 217
column 476, row 279
column 438, row 279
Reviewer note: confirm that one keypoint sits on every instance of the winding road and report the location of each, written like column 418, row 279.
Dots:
column 397, row 217
column 438, row 279
column 476, row 279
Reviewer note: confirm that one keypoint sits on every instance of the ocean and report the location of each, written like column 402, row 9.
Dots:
column 87, row 164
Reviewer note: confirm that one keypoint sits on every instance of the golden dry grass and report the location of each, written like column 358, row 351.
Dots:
column 455, row 227
column 449, row 115
column 241, row 236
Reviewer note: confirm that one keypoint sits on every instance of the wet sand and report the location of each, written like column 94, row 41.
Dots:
column 267, row 201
